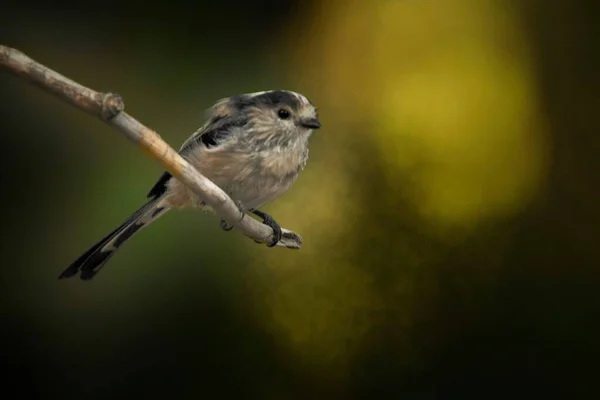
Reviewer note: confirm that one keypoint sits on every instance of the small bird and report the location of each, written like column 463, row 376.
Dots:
column 253, row 146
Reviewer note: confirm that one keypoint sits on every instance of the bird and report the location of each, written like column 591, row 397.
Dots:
column 253, row 146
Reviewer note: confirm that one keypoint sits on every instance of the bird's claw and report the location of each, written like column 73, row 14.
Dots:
column 224, row 226
column 242, row 210
column 270, row 222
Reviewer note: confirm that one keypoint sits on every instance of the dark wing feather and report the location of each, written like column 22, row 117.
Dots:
column 210, row 135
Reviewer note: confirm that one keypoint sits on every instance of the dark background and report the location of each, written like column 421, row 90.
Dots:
column 449, row 208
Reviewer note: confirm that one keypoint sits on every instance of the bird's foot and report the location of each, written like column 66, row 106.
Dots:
column 224, row 226
column 270, row 222
column 242, row 209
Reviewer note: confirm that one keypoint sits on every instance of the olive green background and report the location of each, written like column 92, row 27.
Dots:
column 449, row 207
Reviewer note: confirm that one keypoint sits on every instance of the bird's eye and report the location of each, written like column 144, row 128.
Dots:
column 283, row 113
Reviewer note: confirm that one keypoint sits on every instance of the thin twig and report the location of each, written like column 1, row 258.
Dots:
column 109, row 107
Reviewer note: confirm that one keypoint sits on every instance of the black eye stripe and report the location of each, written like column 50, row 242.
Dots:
column 267, row 99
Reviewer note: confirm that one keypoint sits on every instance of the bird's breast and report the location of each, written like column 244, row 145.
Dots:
column 252, row 177
column 282, row 162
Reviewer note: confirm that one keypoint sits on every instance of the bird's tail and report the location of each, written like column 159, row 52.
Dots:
column 90, row 262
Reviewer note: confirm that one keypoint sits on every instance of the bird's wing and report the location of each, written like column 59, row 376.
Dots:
column 209, row 135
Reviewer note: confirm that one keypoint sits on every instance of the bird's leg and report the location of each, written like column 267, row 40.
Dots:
column 269, row 221
column 242, row 209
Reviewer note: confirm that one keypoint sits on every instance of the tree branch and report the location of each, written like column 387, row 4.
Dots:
column 109, row 107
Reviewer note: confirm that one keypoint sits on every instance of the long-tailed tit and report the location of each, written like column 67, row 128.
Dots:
column 253, row 146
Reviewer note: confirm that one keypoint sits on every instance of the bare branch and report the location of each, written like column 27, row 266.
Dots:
column 109, row 107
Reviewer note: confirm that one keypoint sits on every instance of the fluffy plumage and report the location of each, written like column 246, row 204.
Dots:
column 252, row 146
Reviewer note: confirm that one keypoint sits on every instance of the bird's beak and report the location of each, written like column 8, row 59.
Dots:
column 310, row 123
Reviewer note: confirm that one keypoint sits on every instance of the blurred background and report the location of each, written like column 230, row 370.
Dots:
column 449, row 207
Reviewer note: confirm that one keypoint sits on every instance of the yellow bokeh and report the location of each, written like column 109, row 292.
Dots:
column 465, row 97
column 447, row 90
column 443, row 96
